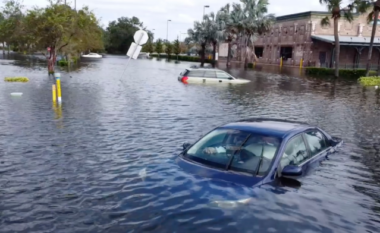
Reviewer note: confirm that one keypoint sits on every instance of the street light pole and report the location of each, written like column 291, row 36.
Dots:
column 167, row 29
column 206, row 6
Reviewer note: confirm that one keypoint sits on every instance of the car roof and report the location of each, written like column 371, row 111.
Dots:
column 269, row 126
column 203, row 68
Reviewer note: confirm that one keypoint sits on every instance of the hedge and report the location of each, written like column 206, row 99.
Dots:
column 342, row 72
column 182, row 58
column 369, row 81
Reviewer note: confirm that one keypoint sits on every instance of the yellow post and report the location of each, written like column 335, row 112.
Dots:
column 301, row 63
column 54, row 93
column 58, row 79
column 281, row 62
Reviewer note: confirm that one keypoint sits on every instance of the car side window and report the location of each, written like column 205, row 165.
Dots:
column 222, row 75
column 209, row 74
column 316, row 141
column 295, row 152
column 196, row 73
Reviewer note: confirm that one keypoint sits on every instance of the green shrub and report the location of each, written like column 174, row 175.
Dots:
column 369, row 81
column 342, row 72
column 63, row 63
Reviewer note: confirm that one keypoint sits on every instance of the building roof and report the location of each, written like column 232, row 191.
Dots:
column 268, row 126
column 302, row 15
column 348, row 40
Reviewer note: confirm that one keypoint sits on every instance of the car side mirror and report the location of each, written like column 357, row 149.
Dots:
column 291, row 171
column 186, row 145
column 230, row 78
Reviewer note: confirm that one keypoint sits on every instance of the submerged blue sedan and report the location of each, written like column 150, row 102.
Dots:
column 258, row 151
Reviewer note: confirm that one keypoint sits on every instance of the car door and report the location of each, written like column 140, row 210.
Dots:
column 295, row 153
column 223, row 77
column 209, row 76
column 195, row 76
column 318, row 147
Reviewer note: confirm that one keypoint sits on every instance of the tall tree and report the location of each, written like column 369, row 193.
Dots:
column 373, row 16
column 10, row 26
column 168, row 48
column 159, row 47
column 57, row 26
column 336, row 9
column 176, row 47
column 120, row 34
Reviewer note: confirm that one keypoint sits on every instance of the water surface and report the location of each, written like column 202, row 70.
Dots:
column 75, row 168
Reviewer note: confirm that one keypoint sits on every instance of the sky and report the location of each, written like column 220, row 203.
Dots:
column 182, row 13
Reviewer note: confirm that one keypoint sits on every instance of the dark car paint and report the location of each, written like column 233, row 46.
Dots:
column 286, row 133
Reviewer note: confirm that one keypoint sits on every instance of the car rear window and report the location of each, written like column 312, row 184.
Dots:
column 184, row 73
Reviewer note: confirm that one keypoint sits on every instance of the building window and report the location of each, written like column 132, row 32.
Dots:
column 286, row 52
column 259, row 51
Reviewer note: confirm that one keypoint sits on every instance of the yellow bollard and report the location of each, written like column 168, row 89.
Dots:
column 301, row 63
column 281, row 62
column 54, row 93
column 58, row 79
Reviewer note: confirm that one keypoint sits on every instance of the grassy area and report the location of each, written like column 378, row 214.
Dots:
column 16, row 79
column 369, row 81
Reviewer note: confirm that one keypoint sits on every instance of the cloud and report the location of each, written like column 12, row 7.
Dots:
column 155, row 13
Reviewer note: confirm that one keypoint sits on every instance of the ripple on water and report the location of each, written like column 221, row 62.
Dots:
column 103, row 162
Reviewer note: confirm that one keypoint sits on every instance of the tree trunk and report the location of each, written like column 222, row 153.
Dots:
column 371, row 43
column 203, row 50
column 51, row 61
column 337, row 47
column 213, row 53
column 246, row 53
column 229, row 54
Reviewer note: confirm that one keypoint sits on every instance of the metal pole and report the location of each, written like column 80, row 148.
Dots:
column 75, row 4
column 167, row 28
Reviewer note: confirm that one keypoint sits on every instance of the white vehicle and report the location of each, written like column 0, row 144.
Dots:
column 208, row 75
column 92, row 55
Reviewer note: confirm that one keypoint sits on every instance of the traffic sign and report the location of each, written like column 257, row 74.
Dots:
column 134, row 50
column 141, row 37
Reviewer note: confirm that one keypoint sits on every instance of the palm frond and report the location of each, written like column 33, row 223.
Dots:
column 325, row 21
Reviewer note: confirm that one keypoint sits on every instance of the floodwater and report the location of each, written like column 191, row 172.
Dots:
column 103, row 161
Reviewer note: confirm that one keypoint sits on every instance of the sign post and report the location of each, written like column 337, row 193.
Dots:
column 140, row 37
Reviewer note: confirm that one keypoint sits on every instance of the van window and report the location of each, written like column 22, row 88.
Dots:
column 196, row 73
column 222, row 75
column 209, row 74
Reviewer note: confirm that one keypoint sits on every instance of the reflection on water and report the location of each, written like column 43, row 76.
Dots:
column 103, row 160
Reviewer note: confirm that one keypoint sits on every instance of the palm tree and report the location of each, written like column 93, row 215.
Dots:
column 199, row 36
column 256, row 22
column 335, row 7
column 374, row 15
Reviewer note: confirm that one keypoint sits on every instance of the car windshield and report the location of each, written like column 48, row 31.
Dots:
column 236, row 150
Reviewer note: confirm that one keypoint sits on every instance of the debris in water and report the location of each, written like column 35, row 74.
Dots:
column 231, row 204
column 16, row 94
column 142, row 173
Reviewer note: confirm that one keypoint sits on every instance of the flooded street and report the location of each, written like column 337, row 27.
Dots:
column 80, row 168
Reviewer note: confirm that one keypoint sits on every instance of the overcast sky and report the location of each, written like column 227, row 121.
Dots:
column 155, row 13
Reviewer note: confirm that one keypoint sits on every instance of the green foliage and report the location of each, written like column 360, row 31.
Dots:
column 148, row 47
column 168, row 48
column 176, row 47
column 63, row 63
column 346, row 73
column 159, row 46
column 119, row 34
column 369, row 81
column 16, row 79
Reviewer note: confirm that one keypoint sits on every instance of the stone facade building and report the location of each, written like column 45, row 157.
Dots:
column 301, row 35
